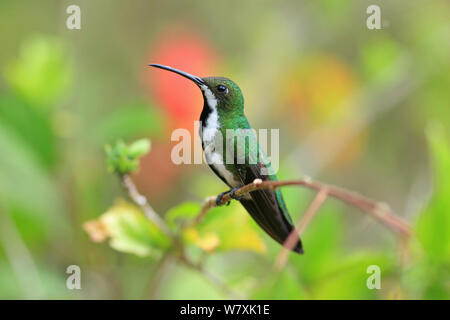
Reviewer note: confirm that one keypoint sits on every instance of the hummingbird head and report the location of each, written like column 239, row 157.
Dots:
column 219, row 93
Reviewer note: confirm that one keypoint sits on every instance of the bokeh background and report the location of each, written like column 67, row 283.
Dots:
column 364, row 109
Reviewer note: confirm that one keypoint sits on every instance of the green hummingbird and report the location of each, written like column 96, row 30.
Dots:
column 223, row 110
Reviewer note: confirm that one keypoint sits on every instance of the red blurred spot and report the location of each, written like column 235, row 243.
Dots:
column 179, row 97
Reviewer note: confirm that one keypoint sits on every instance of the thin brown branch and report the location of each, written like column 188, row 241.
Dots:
column 319, row 199
column 293, row 237
column 208, row 204
column 379, row 211
column 142, row 202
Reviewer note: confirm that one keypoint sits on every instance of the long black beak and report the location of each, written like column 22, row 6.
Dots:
column 199, row 81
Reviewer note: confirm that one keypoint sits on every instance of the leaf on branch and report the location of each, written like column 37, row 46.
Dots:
column 224, row 228
column 128, row 230
column 434, row 222
column 182, row 213
column 42, row 72
column 122, row 158
column 208, row 241
column 139, row 148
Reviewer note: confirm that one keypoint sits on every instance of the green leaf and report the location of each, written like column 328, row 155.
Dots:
column 128, row 230
column 434, row 222
column 42, row 73
column 31, row 126
column 225, row 228
column 379, row 58
column 139, row 148
column 122, row 158
column 27, row 188
column 183, row 212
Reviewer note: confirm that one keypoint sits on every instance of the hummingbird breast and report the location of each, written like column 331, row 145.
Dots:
column 210, row 127
column 215, row 158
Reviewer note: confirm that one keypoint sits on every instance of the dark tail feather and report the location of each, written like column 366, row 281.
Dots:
column 275, row 224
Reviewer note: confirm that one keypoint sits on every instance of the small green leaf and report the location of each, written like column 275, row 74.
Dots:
column 31, row 126
column 182, row 213
column 128, row 230
column 434, row 222
column 122, row 158
column 42, row 73
column 379, row 58
column 223, row 229
column 139, row 148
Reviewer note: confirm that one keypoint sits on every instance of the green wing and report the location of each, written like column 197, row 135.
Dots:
column 267, row 207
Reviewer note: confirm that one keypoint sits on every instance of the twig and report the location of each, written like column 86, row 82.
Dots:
column 142, row 202
column 319, row 199
column 292, row 239
column 379, row 211
column 208, row 204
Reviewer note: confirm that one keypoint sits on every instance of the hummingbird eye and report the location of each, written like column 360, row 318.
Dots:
column 222, row 89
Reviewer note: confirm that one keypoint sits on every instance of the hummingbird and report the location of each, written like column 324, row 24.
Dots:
column 223, row 110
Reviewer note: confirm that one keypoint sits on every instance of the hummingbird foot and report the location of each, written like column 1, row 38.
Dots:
column 219, row 199
column 232, row 194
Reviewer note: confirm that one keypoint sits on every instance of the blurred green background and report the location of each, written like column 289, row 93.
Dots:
column 364, row 109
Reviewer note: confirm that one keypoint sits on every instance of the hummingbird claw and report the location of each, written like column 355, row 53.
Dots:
column 232, row 194
column 219, row 199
